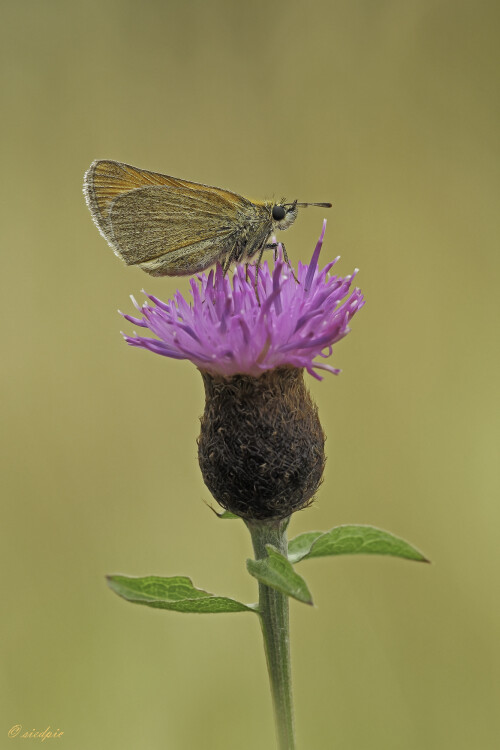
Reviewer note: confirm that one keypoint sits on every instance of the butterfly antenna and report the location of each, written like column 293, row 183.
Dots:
column 320, row 205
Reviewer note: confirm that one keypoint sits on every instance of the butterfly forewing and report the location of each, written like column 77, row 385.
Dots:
column 106, row 180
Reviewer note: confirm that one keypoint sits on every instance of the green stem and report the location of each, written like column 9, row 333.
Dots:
column 273, row 607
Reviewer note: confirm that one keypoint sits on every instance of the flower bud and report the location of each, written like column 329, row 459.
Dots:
column 261, row 446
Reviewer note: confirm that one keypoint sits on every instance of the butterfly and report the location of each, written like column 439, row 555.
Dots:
column 172, row 227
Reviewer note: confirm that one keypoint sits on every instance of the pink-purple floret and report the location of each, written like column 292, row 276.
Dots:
column 224, row 329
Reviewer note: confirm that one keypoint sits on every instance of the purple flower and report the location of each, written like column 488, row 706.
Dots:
column 225, row 331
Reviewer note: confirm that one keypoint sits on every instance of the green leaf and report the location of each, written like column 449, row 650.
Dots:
column 276, row 571
column 226, row 515
column 351, row 540
column 300, row 546
column 176, row 593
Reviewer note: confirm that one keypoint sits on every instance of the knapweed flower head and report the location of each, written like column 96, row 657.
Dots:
column 227, row 330
column 261, row 445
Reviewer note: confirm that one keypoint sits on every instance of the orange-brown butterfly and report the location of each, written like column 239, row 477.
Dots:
column 172, row 227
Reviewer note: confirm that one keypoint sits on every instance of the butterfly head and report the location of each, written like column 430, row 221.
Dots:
column 284, row 214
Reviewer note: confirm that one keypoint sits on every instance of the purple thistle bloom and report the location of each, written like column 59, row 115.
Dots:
column 225, row 331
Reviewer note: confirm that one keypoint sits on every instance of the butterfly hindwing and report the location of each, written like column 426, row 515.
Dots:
column 150, row 222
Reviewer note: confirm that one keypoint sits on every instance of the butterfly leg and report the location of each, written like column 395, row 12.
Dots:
column 257, row 266
column 274, row 246
column 231, row 257
column 287, row 261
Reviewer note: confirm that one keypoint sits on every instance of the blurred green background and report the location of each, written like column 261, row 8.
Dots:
column 390, row 110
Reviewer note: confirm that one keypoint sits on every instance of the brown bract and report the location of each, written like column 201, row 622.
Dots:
column 261, row 446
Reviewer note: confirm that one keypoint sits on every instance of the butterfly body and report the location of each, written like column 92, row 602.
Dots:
column 172, row 227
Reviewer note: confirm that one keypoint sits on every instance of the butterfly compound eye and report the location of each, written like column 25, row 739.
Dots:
column 278, row 213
